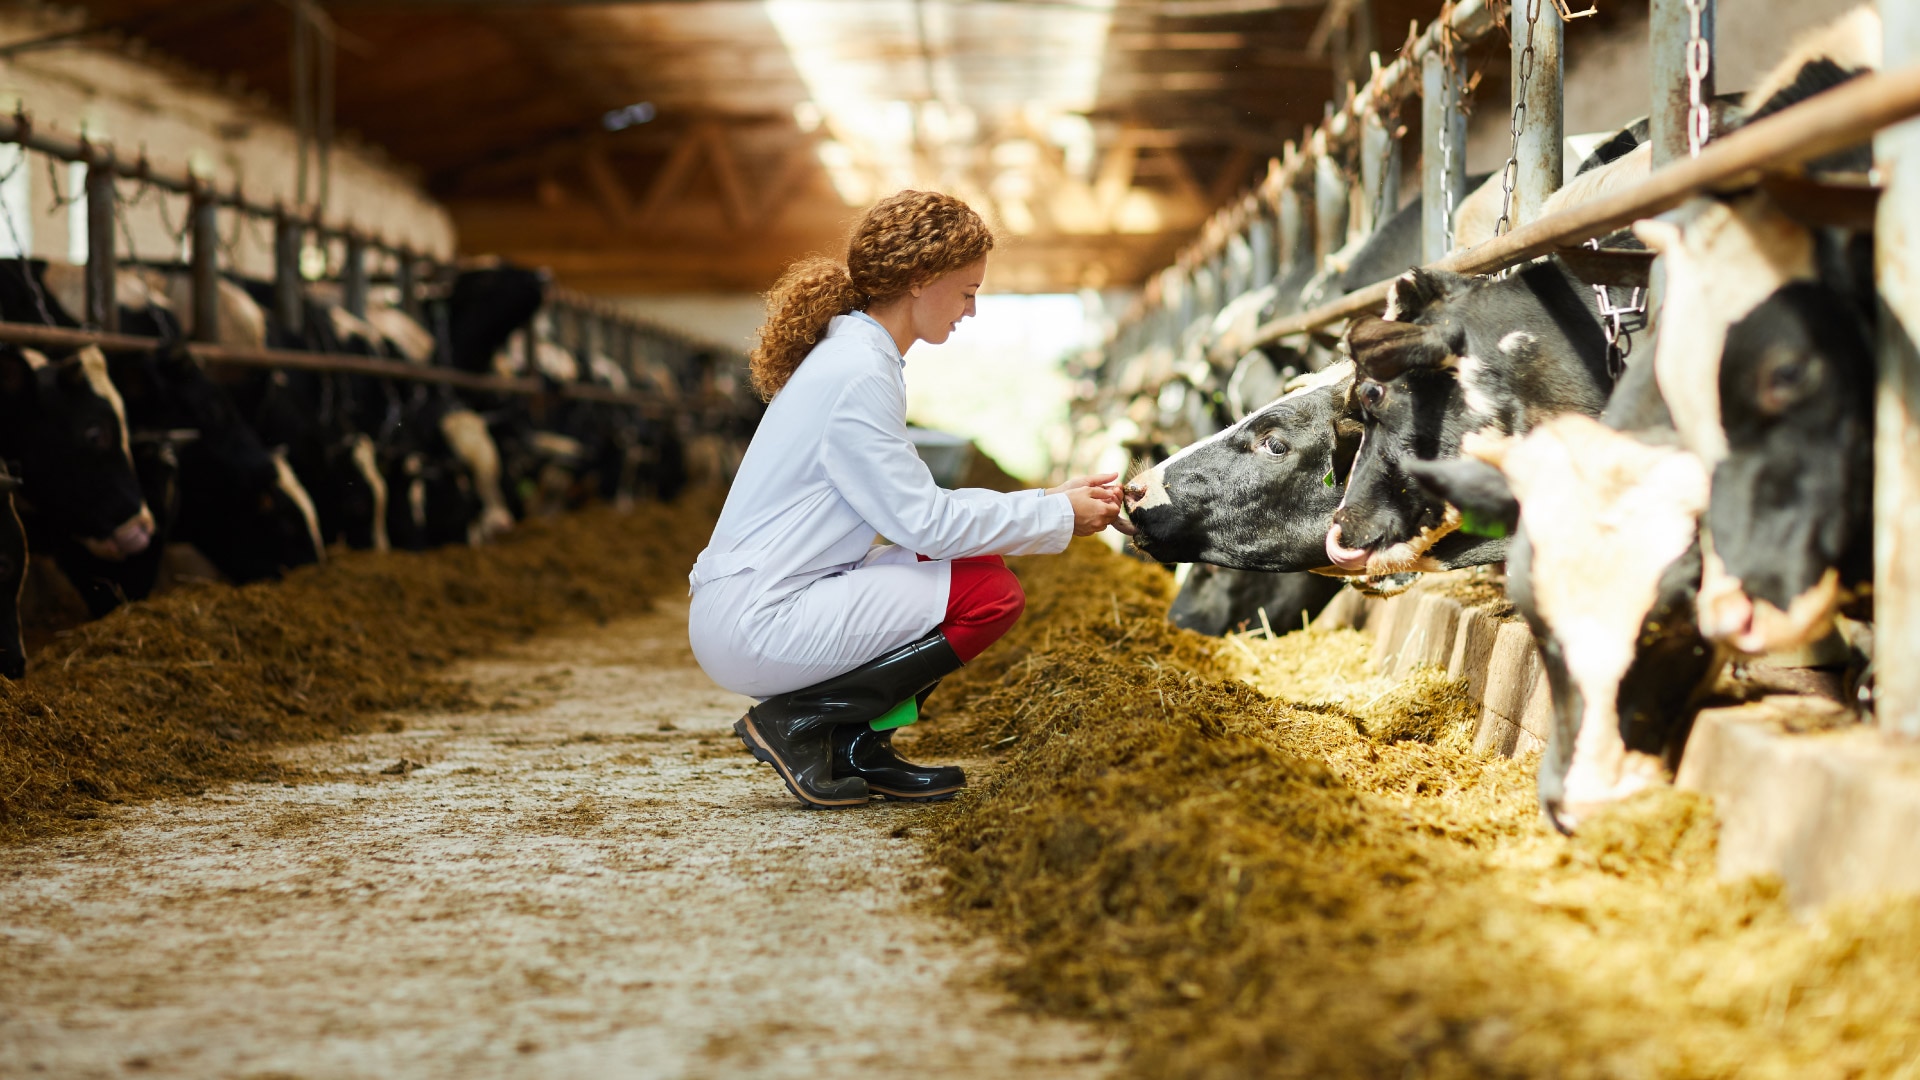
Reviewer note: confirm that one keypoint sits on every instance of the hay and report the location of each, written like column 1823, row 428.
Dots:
column 197, row 685
column 1327, row 882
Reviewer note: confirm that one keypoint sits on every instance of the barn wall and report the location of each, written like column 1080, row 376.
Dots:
column 1607, row 77
column 728, row 319
column 183, row 120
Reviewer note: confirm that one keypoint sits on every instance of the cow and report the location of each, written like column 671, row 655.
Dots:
column 1455, row 355
column 13, row 577
column 1214, row 600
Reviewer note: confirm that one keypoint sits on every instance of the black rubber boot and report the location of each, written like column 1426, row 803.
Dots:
column 868, row 754
column 790, row 731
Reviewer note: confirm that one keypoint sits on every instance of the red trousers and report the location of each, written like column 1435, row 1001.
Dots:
column 984, row 600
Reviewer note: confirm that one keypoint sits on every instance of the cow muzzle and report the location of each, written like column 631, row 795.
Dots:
column 129, row 539
column 1352, row 560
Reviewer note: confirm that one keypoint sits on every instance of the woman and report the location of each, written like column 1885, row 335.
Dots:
column 793, row 603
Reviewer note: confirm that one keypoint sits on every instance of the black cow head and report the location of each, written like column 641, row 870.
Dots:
column 65, row 424
column 1791, row 514
column 1604, row 564
column 1258, row 495
column 1214, row 600
column 1455, row 355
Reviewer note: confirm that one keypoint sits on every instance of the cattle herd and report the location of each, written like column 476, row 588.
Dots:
column 1660, row 512
column 106, row 458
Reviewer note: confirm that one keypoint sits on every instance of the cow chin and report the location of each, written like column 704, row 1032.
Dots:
column 130, row 538
column 1406, row 557
column 1754, row 626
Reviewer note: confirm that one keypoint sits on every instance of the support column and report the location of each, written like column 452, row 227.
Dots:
column 406, row 277
column 1331, row 202
column 1541, row 154
column 1896, row 511
column 1669, row 29
column 206, row 267
column 353, row 277
column 1296, row 234
column 1265, row 256
column 287, row 234
column 102, row 263
column 1443, row 158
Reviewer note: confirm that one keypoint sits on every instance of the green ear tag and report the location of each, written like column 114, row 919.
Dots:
column 1473, row 525
column 899, row 716
column 1327, row 479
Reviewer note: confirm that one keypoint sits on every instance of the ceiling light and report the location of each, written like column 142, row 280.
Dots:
column 621, row 119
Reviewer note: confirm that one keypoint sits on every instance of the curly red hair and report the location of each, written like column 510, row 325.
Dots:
column 904, row 240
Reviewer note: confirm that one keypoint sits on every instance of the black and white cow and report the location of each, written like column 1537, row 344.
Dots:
column 1214, row 600
column 1455, row 355
column 13, row 577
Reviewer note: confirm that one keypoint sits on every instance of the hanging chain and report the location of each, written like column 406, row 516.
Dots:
column 1699, row 63
column 1510, row 176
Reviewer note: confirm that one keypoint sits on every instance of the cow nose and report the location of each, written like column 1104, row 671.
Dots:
column 1133, row 493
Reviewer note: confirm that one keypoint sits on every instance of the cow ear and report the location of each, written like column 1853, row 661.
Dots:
column 1383, row 350
column 1419, row 289
column 1487, row 506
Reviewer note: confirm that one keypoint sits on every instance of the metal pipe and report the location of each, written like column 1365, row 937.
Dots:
column 1541, row 153
column 1379, row 169
column 1443, row 157
column 206, row 268
column 1669, row 28
column 1834, row 120
column 353, row 277
column 406, row 279
column 1896, row 517
column 287, row 234
column 1330, row 205
column 102, row 265
column 1296, row 234
column 1260, row 244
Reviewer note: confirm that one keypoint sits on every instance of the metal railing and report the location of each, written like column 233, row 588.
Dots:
column 594, row 320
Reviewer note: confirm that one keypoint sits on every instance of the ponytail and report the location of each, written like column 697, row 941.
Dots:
column 902, row 241
column 802, row 303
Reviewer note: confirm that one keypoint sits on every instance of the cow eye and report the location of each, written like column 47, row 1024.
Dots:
column 1785, row 378
column 1372, row 394
column 1273, row 446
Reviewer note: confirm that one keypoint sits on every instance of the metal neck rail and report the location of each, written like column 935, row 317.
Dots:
column 338, row 363
column 1841, row 117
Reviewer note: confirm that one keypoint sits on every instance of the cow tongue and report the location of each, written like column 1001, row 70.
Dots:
column 1345, row 558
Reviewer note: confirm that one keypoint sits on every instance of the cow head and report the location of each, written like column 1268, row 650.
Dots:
column 67, row 426
column 1455, row 355
column 1603, row 565
column 1258, row 495
column 1791, row 514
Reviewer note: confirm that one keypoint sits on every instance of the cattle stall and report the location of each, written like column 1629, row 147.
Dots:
column 1281, row 288
column 376, row 395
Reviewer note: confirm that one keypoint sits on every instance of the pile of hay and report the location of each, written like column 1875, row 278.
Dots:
column 1323, row 880
column 196, row 685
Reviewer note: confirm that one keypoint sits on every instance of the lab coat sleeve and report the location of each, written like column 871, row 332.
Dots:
column 871, row 462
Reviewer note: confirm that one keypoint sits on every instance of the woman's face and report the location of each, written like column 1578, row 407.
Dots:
column 940, row 304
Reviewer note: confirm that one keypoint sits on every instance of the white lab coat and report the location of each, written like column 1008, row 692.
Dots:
column 791, row 589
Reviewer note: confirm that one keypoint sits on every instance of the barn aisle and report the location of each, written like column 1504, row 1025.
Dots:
column 586, row 878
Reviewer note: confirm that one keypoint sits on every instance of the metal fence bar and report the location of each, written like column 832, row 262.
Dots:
column 1379, row 168
column 102, row 267
column 1896, row 513
column 287, row 306
column 1844, row 116
column 1668, row 33
column 1443, row 153
column 1541, row 153
column 1331, row 201
column 206, row 267
column 353, row 276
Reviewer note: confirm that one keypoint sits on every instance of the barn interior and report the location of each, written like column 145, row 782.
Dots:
column 448, row 790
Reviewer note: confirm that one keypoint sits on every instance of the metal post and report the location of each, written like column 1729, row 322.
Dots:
column 102, row 265
column 1330, row 206
column 354, row 276
column 1896, row 518
column 1669, row 29
column 287, row 234
column 1443, row 160
column 406, row 278
column 1379, row 169
column 1265, row 257
column 206, row 267
column 1296, row 235
column 1541, row 153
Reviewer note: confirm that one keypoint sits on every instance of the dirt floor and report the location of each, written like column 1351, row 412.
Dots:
column 584, row 876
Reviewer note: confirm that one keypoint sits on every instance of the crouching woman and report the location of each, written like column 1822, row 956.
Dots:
column 793, row 603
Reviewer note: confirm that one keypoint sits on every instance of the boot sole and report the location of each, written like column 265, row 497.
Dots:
column 919, row 797
column 750, row 736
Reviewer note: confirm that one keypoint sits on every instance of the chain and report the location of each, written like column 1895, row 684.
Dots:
column 1614, row 322
column 1510, row 175
column 1699, row 63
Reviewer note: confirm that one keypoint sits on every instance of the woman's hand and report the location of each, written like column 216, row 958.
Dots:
column 1095, row 500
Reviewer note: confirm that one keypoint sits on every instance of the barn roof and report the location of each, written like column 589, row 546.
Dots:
column 693, row 145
